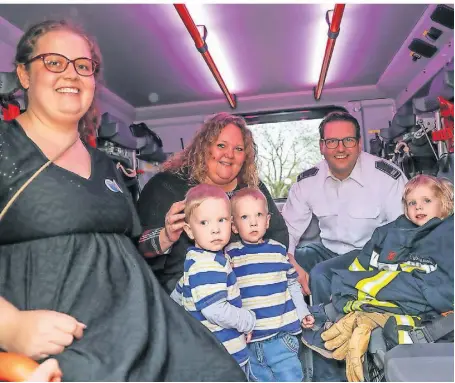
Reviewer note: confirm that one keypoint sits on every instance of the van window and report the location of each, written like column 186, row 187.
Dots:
column 285, row 149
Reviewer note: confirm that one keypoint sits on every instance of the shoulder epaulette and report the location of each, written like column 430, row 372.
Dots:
column 387, row 169
column 308, row 173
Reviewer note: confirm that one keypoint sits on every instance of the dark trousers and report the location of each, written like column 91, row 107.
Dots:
column 319, row 261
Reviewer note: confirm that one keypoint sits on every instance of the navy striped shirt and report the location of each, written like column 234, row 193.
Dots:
column 263, row 271
column 208, row 278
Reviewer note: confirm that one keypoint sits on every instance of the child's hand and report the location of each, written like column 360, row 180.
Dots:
column 248, row 337
column 48, row 371
column 308, row 321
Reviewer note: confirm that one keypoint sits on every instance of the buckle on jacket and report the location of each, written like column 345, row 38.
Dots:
column 420, row 335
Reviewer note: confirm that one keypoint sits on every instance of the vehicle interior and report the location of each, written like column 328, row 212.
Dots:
column 283, row 67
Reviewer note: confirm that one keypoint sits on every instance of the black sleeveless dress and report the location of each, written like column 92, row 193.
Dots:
column 65, row 245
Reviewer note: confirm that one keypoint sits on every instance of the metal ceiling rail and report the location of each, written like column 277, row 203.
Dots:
column 334, row 30
column 201, row 46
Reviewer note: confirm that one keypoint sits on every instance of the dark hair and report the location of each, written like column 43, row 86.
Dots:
column 26, row 48
column 339, row 116
column 193, row 157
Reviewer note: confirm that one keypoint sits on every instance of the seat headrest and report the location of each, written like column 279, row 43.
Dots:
column 142, row 130
column 9, row 83
column 392, row 132
column 440, row 87
column 399, row 126
column 426, row 104
column 405, row 109
column 107, row 117
column 406, row 121
column 116, row 131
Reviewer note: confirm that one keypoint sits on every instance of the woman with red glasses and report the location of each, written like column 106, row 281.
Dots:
column 72, row 284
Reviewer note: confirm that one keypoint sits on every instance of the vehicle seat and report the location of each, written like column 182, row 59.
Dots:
column 373, row 365
column 153, row 149
column 399, row 126
column 422, row 362
column 312, row 233
column 441, row 85
column 117, row 132
column 9, row 84
column 429, row 362
column 9, row 105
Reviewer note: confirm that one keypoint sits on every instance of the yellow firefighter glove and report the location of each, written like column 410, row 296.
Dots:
column 358, row 344
column 379, row 318
column 356, row 349
column 338, row 335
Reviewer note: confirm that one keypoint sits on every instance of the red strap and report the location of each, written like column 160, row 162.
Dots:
column 442, row 135
column 91, row 140
column 11, row 112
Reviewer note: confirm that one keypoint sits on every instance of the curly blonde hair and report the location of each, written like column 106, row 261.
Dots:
column 442, row 188
column 193, row 157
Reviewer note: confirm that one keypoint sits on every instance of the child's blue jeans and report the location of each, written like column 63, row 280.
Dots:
column 275, row 359
column 247, row 370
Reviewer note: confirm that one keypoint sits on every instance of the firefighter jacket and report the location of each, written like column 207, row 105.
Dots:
column 403, row 269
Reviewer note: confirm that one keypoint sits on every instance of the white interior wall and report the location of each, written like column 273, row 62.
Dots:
column 173, row 122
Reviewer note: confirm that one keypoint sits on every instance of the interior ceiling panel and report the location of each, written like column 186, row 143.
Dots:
column 270, row 48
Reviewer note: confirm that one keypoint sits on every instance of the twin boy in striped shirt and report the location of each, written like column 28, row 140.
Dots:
column 249, row 289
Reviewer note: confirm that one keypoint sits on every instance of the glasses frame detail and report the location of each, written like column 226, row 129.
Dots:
column 43, row 56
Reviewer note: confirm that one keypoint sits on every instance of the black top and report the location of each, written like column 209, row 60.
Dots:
column 65, row 246
column 155, row 201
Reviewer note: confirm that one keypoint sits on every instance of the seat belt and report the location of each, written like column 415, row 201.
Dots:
column 433, row 331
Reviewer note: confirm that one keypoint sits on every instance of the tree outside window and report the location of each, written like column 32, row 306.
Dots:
column 285, row 149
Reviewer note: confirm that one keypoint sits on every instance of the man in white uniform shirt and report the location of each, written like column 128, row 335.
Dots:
column 351, row 193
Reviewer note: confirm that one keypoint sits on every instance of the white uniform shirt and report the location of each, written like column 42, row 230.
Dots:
column 349, row 210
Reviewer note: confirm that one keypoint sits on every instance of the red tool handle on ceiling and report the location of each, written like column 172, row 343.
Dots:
column 334, row 30
column 201, row 46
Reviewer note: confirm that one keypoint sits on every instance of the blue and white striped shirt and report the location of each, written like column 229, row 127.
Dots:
column 208, row 278
column 263, row 271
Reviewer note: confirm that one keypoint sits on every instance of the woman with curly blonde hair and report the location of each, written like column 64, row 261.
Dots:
column 222, row 153
column 193, row 157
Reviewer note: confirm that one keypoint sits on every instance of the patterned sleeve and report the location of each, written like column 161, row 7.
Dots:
column 291, row 273
column 208, row 283
column 154, row 202
column 149, row 243
column 177, row 293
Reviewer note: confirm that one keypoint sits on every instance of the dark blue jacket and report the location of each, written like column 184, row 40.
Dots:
column 407, row 269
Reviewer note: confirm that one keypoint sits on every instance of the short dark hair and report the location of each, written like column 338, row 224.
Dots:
column 339, row 116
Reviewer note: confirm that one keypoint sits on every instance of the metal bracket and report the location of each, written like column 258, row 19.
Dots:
column 420, row 335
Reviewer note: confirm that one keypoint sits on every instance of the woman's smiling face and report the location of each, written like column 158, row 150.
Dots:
column 62, row 96
column 225, row 157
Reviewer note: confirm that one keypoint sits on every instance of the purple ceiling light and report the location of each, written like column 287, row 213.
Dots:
column 202, row 48
column 334, row 29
